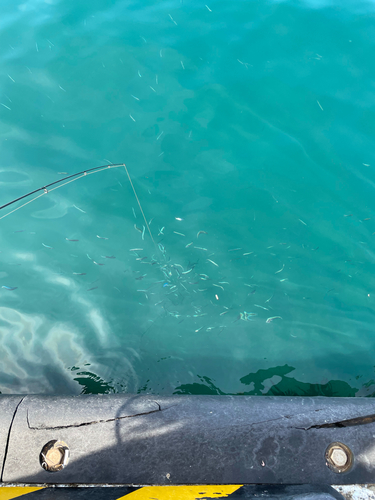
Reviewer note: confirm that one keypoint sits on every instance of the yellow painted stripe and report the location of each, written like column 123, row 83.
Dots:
column 9, row 492
column 181, row 492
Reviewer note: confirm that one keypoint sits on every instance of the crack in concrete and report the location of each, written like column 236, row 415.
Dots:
column 261, row 422
column 113, row 419
column 368, row 419
column 8, row 439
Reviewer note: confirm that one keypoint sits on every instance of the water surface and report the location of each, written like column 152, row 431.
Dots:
column 247, row 129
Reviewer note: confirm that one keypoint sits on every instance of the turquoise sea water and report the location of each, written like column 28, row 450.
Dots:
column 248, row 131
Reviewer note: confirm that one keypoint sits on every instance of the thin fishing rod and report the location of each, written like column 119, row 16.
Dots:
column 67, row 180
column 45, row 188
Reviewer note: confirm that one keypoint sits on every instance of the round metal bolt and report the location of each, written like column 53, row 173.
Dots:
column 54, row 456
column 339, row 457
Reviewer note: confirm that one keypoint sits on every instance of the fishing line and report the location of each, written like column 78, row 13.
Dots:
column 139, row 204
column 72, row 178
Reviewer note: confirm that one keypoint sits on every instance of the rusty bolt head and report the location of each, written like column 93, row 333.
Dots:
column 54, row 456
column 339, row 457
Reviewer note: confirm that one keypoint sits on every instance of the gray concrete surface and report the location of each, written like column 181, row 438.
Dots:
column 357, row 491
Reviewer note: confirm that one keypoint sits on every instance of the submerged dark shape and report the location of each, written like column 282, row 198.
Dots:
column 287, row 386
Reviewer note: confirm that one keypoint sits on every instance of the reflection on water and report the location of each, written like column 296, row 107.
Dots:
column 270, row 382
column 91, row 383
column 274, row 382
column 95, row 290
column 254, row 168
